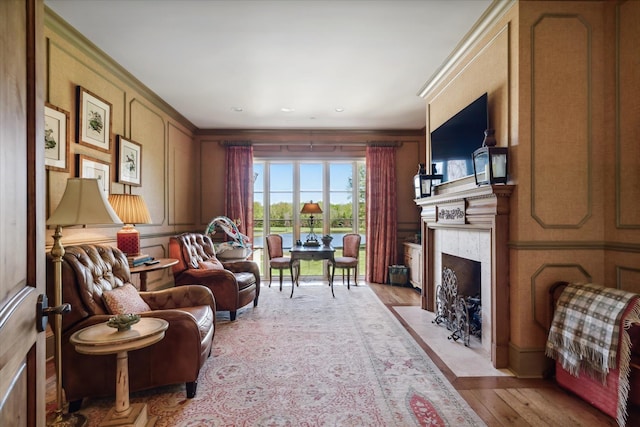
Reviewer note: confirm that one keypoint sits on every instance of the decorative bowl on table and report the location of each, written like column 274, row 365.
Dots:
column 123, row 322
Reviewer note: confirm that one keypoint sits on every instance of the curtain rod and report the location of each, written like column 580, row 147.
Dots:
column 311, row 143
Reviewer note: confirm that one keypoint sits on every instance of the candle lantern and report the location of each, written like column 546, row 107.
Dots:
column 490, row 162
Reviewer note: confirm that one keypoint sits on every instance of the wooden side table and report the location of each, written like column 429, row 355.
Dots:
column 144, row 269
column 101, row 339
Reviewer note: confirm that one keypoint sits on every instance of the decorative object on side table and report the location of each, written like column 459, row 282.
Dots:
column 83, row 202
column 123, row 322
column 311, row 208
column 423, row 182
column 326, row 240
column 132, row 210
column 490, row 162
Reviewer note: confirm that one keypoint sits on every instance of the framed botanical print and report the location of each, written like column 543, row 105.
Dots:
column 94, row 121
column 94, row 168
column 129, row 155
column 56, row 138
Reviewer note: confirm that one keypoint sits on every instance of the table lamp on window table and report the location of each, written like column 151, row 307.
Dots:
column 311, row 208
column 83, row 203
column 132, row 210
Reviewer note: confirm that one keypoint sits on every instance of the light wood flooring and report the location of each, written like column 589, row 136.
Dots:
column 508, row 401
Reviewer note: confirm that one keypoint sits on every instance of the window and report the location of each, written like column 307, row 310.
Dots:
column 337, row 186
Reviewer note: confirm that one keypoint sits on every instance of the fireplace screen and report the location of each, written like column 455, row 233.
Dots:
column 458, row 301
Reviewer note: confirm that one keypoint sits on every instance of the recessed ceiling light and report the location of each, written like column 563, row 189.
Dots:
column 237, row 109
column 339, row 109
column 287, row 110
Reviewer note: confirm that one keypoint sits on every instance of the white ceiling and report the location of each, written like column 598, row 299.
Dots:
column 208, row 57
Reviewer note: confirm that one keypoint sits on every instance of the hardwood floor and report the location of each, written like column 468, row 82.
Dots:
column 508, row 401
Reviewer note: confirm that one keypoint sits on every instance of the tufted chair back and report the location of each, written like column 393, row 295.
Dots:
column 194, row 248
column 100, row 269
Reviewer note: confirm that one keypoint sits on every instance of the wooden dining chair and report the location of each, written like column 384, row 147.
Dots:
column 277, row 260
column 349, row 258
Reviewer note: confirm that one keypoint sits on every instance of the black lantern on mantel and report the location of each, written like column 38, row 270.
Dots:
column 422, row 182
column 490, row 162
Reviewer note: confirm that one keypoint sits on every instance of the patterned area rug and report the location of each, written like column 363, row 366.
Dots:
column 310, row 361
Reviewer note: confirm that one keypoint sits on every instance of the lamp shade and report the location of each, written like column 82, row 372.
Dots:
column 83, row 203
column 311, row 208
column 130, row 208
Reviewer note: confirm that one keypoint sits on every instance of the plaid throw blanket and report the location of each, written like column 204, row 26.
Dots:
column 585, row 334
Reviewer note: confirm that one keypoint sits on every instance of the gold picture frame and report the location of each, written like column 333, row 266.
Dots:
column 94, row 121
column 56, row 138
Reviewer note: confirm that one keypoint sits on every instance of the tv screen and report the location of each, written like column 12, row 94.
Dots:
column 453, row 143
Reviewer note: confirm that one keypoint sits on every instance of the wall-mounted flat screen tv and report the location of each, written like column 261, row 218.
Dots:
column 453, row 143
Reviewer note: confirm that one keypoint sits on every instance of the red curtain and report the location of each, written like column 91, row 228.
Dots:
column 239, row 187
column 381, row 212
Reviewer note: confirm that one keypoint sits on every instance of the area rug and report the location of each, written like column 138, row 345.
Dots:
column 311, row 360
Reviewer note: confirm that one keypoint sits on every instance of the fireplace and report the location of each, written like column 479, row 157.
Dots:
column 471, row 222
column 459, row 298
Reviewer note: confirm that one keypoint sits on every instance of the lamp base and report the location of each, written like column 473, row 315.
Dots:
column 59, row 419
column 128, row 240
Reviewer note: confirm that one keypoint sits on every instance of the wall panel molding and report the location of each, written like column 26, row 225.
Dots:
column 628, row 279
column 627, row 108
column 543, row 278
column 143, row 131
column 561, row 135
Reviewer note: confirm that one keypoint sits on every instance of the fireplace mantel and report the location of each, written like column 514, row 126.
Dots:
column 482, row 208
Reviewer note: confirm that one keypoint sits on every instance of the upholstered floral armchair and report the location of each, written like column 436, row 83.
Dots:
column 234, row 284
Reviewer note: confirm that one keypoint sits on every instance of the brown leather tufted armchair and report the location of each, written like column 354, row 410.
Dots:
column 234, row 286
column 90, row 270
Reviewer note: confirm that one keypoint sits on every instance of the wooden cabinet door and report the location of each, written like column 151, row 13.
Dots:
column 22, row 198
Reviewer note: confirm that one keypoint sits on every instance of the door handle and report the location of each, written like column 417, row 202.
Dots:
column 43, row 311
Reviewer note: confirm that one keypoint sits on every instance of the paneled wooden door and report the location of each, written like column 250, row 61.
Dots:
column 22, row 212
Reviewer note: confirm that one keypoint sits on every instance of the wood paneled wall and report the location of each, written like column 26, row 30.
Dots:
column 562, row 97
column 169, row 174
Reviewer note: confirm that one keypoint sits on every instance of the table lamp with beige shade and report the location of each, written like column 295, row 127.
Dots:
column 83, row 203
column 132, row 210
column 311, row 208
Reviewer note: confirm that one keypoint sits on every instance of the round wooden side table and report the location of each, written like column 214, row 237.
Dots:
column 101, row 339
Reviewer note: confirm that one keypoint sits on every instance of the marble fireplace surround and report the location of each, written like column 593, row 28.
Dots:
column 465, row 220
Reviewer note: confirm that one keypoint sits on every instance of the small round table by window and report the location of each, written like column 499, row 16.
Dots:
column 101, row 339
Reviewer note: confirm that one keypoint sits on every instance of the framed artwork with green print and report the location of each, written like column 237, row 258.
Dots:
column 94, row 121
